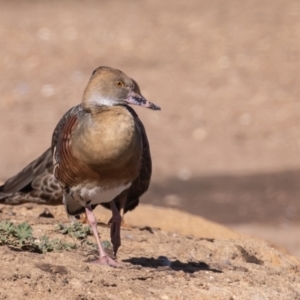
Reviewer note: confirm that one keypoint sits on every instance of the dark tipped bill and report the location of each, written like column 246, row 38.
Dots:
column 137, row 99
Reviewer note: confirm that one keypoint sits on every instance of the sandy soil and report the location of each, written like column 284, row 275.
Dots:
column 156, row 264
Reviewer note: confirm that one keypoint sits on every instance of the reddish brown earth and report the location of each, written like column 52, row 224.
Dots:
column 157, row 264
column 225, row 145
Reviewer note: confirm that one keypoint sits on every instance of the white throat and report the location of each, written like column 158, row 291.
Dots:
column 95, row 100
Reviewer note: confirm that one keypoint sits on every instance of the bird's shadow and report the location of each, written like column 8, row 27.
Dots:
column 163, row 263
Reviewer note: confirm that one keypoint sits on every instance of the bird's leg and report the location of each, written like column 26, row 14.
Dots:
column 122, row 207
column 122, row 202
column 104, row 259
column 115, row 227
column 122, row 211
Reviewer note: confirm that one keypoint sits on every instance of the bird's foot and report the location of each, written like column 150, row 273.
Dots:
column 107, row 261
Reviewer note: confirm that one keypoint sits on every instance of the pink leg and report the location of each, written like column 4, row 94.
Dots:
column 104, row 259
column 115, row 227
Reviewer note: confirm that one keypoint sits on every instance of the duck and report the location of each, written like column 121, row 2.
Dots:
column 99, row 154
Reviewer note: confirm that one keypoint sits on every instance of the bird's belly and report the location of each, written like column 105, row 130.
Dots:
column 95, row 195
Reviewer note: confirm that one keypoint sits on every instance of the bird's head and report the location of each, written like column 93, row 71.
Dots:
column 108, row 87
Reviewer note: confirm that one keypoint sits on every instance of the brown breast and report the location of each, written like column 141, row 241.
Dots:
column 103, row 147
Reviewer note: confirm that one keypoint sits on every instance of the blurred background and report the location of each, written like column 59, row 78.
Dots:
column 226, row 144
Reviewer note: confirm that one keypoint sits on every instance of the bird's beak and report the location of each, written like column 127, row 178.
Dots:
column 137, row 99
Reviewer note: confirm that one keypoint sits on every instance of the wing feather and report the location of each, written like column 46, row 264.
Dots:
column 65, row 167
column 35, row 183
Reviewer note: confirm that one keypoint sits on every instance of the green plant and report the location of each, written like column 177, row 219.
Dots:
column 80, row 232
column 48, row 245
column 76, row 230
column 20, row 237
column 23, row 232
column 17, row 236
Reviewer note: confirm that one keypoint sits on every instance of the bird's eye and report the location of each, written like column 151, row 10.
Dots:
column 120, row 83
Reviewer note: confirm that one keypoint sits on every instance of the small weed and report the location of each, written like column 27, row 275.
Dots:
column 47, row 245
column 80, row 232
column 76, row 230
column 19, row 237
column 23, row 232
column 107, row 245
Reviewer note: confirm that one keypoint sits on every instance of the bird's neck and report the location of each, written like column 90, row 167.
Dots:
column 91, row 100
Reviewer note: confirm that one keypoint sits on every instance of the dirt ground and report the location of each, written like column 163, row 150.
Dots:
column 156, row 264
column 225, row 145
